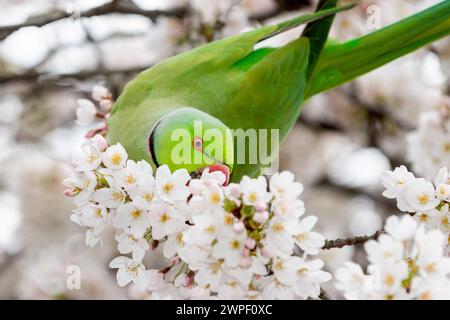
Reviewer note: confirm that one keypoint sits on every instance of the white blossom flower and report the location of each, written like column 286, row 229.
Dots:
column 384, row 249
column 420, row 195
column 127, row 242
column 128, row 215
column 80, row 186
column 86, row 112
column 309, row 278
column 350, row 279
column 90, row 160
column 129, row 176
column 230, row 245
column 400, row 229
column 211, row 272
column 173, row 244
column 145, row 192
column 99, row 141
column 110, row 197
column 307, row 240
column 254, row 191
column 282, row 185
column 273, row 289
column 172, row 187
column 165, row 220
column 396, row 181
column 230, row 290
column 115, row 157
column 442, row 183
column 130, row 270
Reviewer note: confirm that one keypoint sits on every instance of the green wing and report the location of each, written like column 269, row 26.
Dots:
column 184, row 69
column 343, row 62
column 270, row 97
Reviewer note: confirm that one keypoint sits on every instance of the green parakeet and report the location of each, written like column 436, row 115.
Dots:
column 203, row 96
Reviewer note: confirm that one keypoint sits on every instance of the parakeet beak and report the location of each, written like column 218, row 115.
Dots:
column 221, row 168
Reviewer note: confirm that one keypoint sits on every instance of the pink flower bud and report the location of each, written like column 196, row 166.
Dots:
column 106, row 105
column 239, row 226
column 245, row 252
column 100, row 93
column 266, row 252
column 246, row 262
column 69, row 193
column 250, row 243
column 100, row 142
column 260, row 207
column 86, row 112
column 234, row 190
column 261, row 217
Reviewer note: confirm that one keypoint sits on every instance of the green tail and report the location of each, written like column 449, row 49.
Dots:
column 317, row 33
column 340, row 63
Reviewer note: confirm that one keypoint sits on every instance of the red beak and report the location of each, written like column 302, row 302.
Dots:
column 222, row 168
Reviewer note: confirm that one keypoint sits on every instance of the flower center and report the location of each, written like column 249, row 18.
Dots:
column 303, row 270
column 98, row 213
column 423, row 198
column 302, row 237
column 116, row 158
column 117, row 196
column 92, row 158
column 130, row 179
column 136, row 214
column 210, row 229
column 215, row 198
column 252, row 197
column 278, row 227
column 164, row 218
column 167, row 187
column 446, row 148
column 228, row 219
column 148, row 196
column 279, row 265
column 180, row 239
column 389, row 280
column 445, row 222
column 235, row 245
column 133, row 270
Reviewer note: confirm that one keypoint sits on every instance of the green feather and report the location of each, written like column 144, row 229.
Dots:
column 340, row 63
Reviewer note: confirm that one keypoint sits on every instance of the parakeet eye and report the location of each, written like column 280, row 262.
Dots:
column 198, row 144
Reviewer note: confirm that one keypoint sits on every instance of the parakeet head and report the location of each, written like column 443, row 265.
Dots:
column 194, row 140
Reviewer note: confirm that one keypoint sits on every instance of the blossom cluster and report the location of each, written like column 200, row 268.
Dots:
column 240, row 241
column 427, row 202
column 407, row 262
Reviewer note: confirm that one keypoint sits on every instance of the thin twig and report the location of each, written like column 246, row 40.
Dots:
column 127, row 7
column 34, row 76
column 340, row 243
column 324, row 295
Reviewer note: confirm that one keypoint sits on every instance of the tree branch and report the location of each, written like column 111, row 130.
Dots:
column 34, row 76
column 110, row 7
column 340, row 243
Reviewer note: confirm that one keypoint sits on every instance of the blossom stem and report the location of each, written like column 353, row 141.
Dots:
column 340, row 243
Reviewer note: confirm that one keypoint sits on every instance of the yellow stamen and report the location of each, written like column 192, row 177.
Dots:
column 423, row 198
column 116, row 159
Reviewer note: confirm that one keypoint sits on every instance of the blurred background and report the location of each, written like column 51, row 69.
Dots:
column 53, row 52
